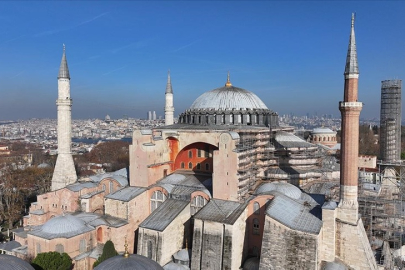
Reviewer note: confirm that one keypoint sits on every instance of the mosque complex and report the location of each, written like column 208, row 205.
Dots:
column 219, row 189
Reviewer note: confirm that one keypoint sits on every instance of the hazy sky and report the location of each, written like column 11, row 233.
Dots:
column 291, row 54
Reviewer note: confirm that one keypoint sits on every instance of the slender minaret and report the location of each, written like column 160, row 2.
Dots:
column 350, row 109
column 169, row 109
column 64, row 173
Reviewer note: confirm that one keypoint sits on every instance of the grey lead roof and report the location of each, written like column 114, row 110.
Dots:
column 133, row 261
column 228, row 98
column 10, row 262
column 296, row 215
column 169, row 88
column 126, row 194
column 164, row 215
column 352, row 66
column 221, row 211
column 10, row 245
column 288, row 140
column 63, row 69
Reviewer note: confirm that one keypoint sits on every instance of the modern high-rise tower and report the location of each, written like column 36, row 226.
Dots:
column 390, row 120
column 350, row 109
column 169, row 109
column 64, row 173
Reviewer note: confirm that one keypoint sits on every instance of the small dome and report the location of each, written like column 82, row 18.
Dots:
column 63, row 225
column 285, row 188
column 13, row 263
column 132, row 262
column 251, row 264
column 228, row 98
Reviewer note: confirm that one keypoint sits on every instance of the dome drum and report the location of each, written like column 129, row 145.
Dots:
column 254, row 117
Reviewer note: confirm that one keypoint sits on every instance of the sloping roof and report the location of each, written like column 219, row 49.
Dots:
column 164, row 215
column 121, row 176
column 80, row 185
column 13, row 263
column 180, row 186
column 296, row 215
column 94, row 219
column 221, row 211
column 126, row 194
column 287, row 140
column 9, row 245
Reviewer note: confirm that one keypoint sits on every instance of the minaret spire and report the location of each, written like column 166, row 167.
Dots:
column 169, row 108
column 169, row 83
column 63, row 69
column 352, row 66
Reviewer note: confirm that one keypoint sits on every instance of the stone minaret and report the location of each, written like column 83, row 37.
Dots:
column 169, row 109
column 350, row 109
column 64, row 173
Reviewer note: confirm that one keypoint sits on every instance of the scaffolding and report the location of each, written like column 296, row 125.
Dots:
column 381, row 205
column 390, row 120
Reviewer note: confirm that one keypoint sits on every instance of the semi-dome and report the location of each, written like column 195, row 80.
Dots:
column 284, row 188
column 229, row 105
column 10, row 262
column 323, row 130
column 130, row 262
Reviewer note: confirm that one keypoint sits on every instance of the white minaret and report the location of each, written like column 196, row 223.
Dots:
column 64, row 173
column 169, row 109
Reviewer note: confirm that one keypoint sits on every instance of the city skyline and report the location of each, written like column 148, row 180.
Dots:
column 288, row 53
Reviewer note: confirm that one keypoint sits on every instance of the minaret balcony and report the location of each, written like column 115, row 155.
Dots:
column 343, row 104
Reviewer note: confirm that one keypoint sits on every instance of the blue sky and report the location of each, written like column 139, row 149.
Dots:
column 291, row 54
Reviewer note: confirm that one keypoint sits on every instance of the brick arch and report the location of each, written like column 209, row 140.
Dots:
column 195, row 153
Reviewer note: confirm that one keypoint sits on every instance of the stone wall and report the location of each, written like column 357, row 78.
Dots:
column 283, row 248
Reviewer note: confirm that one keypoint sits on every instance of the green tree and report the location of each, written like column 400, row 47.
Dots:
column 108, row 252
column 52, row 261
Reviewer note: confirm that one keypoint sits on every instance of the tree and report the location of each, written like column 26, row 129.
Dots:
column 112, row 152
column 52, row 261
column 108, row 252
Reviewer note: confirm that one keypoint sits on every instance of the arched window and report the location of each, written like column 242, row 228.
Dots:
column 198, row 166
column 231, row 118
column 82, row 246
column 190, row 165
column 182, row 165
column 100, row 235
column 223, row 119
column 149, row 255
column 111, row 187
column 190, row 154
column 197, row 203
column 256, row 208
column 38, row 248
column 198, row 152
column 103, row 187
column 207, row 166
column 158, row 197
column 59, row 248
column 255, row 251
column 256, row 226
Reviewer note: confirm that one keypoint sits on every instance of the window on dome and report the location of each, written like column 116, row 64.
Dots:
column 158, row 197
column 197, row 203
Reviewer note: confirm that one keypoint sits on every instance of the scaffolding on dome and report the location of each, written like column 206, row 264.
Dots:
column 382, row 209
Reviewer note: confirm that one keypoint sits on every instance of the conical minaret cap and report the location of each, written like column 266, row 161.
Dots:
column 352, row 66
column 64, row 70
column 169, row 84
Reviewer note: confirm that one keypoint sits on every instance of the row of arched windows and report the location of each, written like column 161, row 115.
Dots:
column 198, row 166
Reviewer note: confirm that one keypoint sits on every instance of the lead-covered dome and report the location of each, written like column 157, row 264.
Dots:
column 229, row 105
column 228, row 98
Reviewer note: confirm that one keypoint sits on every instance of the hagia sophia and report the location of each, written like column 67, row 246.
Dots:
column 218, row 189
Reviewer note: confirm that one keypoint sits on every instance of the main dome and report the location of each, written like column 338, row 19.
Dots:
column 228, row 98
column 229, row 106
